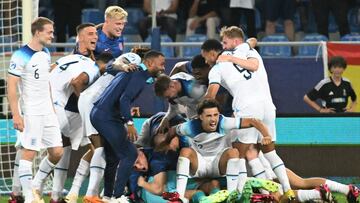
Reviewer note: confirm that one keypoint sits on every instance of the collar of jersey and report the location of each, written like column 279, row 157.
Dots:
column 143, row 67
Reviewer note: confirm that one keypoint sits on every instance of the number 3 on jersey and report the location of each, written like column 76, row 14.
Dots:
column 36, row 74
column 245, row 73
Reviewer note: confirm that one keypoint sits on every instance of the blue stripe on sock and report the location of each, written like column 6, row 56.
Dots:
column 44, row 172
column 16, row 164
column 61, row 169
column 259, row 173
column 232, row 175
column 278, row 166
column 98, row 167
column 182, row 175
column 25, row 175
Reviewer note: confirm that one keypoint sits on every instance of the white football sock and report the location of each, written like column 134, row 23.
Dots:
column 268, row 170
column 182, row 175
column 97, row 167
column 81, row 173
column 25, row 176
column 232, row 174
column 16, row 185
column 307, row 195
column 337, row 187
column 44, row 170
column 279, row 168
column 257, row 169
column 60, row 174
column 242, row 174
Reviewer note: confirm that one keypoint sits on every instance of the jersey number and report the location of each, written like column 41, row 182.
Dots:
column 66, row 65
column 247, row 75
column 36, row 74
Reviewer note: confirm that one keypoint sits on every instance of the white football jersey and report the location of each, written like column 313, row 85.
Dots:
column 68, row 68
column 33, row 67
column 243, row 53
column 243, row 85
column 191, row 93
column 209, row 143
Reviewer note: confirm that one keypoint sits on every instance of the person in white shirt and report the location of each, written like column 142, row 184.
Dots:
column 30, row 69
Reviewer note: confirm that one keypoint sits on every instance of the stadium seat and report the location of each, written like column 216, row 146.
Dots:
column 275, row 51
column 134, row 16
column 354, row 20
column 332, row 24
column 167, row 51
column 73, row 41
column 92, row 15
column 351, row 37
column 311, row 50
column 192, row 51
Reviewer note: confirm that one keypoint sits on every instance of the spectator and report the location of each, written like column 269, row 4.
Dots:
column 338, row 8
column 203, row 12
column 243, row 8
column 284, row 9
column 165, row 17
column 333, row 91
column 66, row 23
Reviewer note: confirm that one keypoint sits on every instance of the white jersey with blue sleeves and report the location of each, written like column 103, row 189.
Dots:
column 209, row 143
column 242, row 84
column 67, row 69
column 33, row 67
column 191, row 93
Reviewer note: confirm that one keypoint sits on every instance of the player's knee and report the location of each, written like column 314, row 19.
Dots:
column 186, row 152
column 55, row 154
column 214, row 184
column 233, row 153
column 251, row 154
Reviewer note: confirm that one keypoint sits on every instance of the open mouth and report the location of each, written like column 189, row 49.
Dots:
column 213, row 125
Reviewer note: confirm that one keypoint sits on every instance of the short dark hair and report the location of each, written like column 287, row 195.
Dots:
column 152, row 54
column 207, row 104
column 199, row 62
column 38, row 24
column 82, row 26
column 161, row 84
column 337, row 61
column 105, row 57
column 211, row 45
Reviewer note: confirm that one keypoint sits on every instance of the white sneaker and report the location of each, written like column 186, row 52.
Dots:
column 71, row 198
column 122, row 199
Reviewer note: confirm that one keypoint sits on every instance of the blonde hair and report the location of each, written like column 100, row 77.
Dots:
column 115, row 12
column 38, row 24
column 232, row 32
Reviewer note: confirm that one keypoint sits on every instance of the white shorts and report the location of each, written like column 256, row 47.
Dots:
column 70, row 126
column 85, row 105
column 208, row 166
column 40, row 132
column 260, row 110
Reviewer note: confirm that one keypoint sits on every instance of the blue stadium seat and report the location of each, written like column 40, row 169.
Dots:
column 332, row 24
column 276, row 51
column 311, row 50
column 167, row 51
column 192, row 51
column 134, row 16
column 92, row 15
column 351, row 37
column 354, row 20
column 73, row 41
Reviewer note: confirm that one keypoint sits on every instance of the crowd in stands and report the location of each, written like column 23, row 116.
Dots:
column 178, row 19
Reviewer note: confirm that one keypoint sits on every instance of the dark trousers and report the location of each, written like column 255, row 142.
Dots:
column 167, row 25
column 338, row 8
column 120, row 153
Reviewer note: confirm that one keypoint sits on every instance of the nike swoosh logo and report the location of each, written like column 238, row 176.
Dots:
column 106, row 49
column 34, row 65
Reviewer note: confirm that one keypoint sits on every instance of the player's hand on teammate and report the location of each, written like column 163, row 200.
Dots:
column 135, row 111
column 18, row 123
column 327, row 110
column 164, row 124
column 132, row 134
column 266, row 140
column 130, row 67
column 141, row 181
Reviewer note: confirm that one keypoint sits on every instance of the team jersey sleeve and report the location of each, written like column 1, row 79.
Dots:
column 229, row 123
column 184, row 129
column 242, row 50
column 93, row 72
column 314, row 94
column 214, row 75
column 352, row 93
column 17, row 64
column 144, row 138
